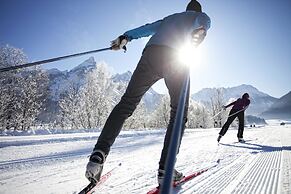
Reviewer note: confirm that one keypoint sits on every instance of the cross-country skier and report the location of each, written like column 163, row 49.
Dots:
column 158, row 60
column 238, row 110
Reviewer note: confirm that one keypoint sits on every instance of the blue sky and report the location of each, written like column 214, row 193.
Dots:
column 248, row 42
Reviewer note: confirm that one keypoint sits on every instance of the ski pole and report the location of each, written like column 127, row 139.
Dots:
column 238, row 111
column 175, row 138
column 52, row 60
column 216, row 114
column 231, row 114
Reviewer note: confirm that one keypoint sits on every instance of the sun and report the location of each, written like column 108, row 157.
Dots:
column 190, row 55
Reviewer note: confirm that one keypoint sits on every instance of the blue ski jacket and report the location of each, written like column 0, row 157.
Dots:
column 173, row 30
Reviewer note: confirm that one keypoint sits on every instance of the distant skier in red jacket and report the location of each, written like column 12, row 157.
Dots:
column 238, row 110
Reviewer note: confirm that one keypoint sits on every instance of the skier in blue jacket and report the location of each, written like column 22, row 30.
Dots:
column 158, row 60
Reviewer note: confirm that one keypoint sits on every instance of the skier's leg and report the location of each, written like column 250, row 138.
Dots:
column 241, row 124
column 142, row 79
column 228, row 122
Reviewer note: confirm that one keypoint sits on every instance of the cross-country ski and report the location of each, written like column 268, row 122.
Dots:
column 92, row 186
column 186, row 178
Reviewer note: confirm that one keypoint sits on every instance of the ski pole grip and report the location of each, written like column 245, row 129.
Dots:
column 124, row 49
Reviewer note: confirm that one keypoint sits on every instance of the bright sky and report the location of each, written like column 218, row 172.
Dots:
column 248, row 42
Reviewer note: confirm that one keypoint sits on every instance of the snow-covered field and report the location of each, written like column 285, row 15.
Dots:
column 56, row 163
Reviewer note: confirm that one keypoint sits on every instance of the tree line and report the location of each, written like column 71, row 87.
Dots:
column 87, row 105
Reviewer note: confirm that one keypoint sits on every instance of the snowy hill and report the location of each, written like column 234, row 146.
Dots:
column 281, row 109
column 56, row 163
column 260, row 101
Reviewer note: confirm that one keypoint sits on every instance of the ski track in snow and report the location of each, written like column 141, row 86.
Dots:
column 56, row 163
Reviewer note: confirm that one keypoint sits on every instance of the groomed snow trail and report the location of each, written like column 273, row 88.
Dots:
column 56, row 163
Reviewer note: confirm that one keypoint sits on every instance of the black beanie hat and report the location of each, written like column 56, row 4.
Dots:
column 245, row 95
column 194, row 6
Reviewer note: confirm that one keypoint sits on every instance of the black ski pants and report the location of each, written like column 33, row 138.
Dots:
column 232, row 115
column 156, row 62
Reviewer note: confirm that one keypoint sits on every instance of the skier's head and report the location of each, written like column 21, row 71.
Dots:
column 245, row 96
column 194, row 6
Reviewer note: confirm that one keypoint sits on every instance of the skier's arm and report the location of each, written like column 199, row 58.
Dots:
column 199, row 30
column 230, row 104
column 143, row 31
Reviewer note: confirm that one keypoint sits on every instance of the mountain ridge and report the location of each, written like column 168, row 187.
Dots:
column 281, row 109
column 60, row 80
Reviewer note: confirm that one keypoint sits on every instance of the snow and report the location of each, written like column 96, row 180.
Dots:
column 56, row 163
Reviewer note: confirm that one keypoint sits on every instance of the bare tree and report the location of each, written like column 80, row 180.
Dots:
column 216, row 103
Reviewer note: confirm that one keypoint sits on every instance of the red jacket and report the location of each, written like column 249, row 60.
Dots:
column 239, row 104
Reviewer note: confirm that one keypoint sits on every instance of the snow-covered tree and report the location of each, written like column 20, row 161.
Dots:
column 89, row 105
column 70, row 109
column 161, row 115
column 34, row 84
column 10, row 86
column 97, row 96
column 139, row 118
column 21, row 91
column 198, row 116
column 216, row 103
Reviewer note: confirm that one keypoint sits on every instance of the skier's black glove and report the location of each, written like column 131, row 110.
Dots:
column 119, row 43
column 198, row 36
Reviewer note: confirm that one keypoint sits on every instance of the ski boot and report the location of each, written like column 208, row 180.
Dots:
column 95, row 166
column 241, row 140
column 176, row 176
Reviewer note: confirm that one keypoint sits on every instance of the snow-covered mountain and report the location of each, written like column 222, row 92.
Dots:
column 281, row 109
column 260, row 101
column 124, row 77
column 59, row 83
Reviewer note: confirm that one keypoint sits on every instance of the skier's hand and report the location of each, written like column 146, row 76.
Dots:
column 119, row 43
column 93, row 171
column 198, row 36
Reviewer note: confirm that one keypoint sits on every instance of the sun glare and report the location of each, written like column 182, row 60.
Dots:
column 190, row 55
